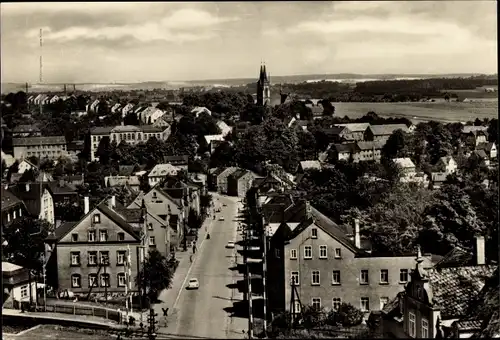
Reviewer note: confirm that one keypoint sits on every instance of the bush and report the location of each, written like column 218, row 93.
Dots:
column 347, row 315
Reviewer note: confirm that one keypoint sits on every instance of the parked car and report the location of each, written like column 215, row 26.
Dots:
column 221, row 218
column 230, row 245
column 193, row 284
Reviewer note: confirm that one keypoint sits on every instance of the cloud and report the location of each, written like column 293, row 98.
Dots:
column 180, row 26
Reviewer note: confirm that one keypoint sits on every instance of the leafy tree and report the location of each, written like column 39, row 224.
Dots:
column 493, row 131
column 398, row 145
column 155, row 275
column 194, row 220
column 131, row 119
column 104, row 150
column 68, row 211
column 25, row 237
column 28, row 176
column 347, row 315
column 313, row 317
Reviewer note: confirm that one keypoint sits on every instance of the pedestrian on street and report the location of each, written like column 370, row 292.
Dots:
column 194, row 248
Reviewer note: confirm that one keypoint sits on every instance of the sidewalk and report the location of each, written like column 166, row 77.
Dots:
column 169, row 297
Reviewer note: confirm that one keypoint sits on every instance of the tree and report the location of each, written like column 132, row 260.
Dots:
column 347, row 315
column 397, row 146
column 68, row 211
column 493, row 131
column 104, row 150
column 155, row 275
column 194, row 220
column 25, row 237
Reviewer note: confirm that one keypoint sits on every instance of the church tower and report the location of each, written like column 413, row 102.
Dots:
column 263, row 88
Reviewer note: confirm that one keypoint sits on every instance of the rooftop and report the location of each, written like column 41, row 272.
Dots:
column 387, row 129
column 163, row 170
column 404, row 162
column 38, row 141
column 356, row 127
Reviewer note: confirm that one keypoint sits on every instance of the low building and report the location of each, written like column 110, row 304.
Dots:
column 41, row 147
column 224, row 128
column 222, row 185
column 25, row 165
column 381, row 133
column 342, row 152
column 212, row 140
column 160, row 172
column 17, row 284
column 239, row 182
column 438, row 178
column 12, row 207
column 22, row 131
column 327, row 267
column 355, row 131
column 150, row 115
column 90, row 255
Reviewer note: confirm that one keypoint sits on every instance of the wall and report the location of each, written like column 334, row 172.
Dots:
column 47, row 207
column 16, row 292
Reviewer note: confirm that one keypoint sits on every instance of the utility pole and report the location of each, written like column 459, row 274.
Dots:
column 264, row 275
column 44, row 283
column 249, row 279
column 152, row 324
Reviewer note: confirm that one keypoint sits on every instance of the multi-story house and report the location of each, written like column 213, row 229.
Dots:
column 341, row 152
column 22, row 131
column 171, row 210
column 186, row 190
column 127, row 109
column 327, row 267
column 150, row 115
column 128, row 133
column 12, row 207
column 354, row 131
column 475, row 135
column 437, row 297
column 25, row 165
column 42, row 147
column 381, row 133
column 37, row 199
column 17, row 284
column 180, row 162
column 91, row 255
column 239, row 182
column 489, row 148
column 222, row 179
column 447, row 165
column 160, row 172
column 367, row 151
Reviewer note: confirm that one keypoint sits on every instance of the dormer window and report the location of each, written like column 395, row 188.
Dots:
column 314, row 233
column 154, row 195
column 97, row 218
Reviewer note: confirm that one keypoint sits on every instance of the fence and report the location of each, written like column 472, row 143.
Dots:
column 101, row 312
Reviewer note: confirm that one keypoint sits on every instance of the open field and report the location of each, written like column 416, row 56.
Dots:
column 439, row 111
column 62, row 333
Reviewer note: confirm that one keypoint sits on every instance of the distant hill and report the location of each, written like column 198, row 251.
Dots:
column 171, row 85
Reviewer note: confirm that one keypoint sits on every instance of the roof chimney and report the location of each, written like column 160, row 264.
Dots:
column 480, row 253
column 27, row 187
column 357, row 236
column 86, row 205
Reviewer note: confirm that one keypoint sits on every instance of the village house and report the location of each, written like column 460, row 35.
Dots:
column 180, row 162
column 475, row 135
column 309, row 165
column 89, row 256
column 17, row 284
column 25, row 165
column 74, row 148
column 150, row 115
column 213, row 173
column 163, row 122
column 185, row 190
column 222, row 179
column 329, row 267
column 201, row 110
column 341, row 152
column 21, row 131
column 127, row 109
column 62, row 192
column 489, row 148
column 129, row 133
column 41, row 147
column 37, row 199
column 133, row 182
column 213, row 141
column 224, row 128
column 367, row 151
column 239, row 182
column 381, row 133
column 354, row 131
column 12, row 207
column 447, row 165
column 436, row 297
column 115, row 108
column 160, row 172
column 481, row 157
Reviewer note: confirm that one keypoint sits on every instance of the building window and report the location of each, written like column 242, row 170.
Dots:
column 74, row 237
column 150, row 226
column 336, row 277
column 316, row 303
column 314, row 233
column 363, row 277
column 24, row 291
column 120, row 257
column 412, row 327
column 104, row 257
column 425, row 328
column 365, row 304
column 338, row 253
column 383, row 301
column 75, row 258
column 76, row 281
column 152, row 241
column 307, row 252
column 20, row 212
column 14, row 215
column 93, row 280
column 403, row 276
column 97, row 218
column 384, row 276
column 92, row 236
column 323, row 252
column 105, row 280
column 8, row 217
column 121, row 236
column 277, row 253
column 315, row 278
column 154, row 194
column 293, row 254
column 122, row 282
column 92, row 258
column 336, row 303
column 295, row 278
column 103, row 235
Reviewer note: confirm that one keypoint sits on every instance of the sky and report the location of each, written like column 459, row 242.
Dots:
column 134, row 42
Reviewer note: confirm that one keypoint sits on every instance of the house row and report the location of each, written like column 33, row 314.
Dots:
column 128, row 133
column 99, row 251
column 353, row 152
column 52, row 147
column 215, row 140
column 232, row 181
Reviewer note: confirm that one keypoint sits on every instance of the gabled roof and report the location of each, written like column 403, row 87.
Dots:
column 58, row 188
column 176, row 160
column 151, row 129
column 163, row 170
column 126, row 170
column 446, row 160
column 457, row 257
column 310, row 165
column 216, row 171
column 334, row 131
column 469, row 129
column 9, row 199
column 486, row 308
column 404, row 162
column 38, row 140
column 439, row 177
column 485, row 146
column 228, row 171
column 387, row 129
column 210, row 138
column 369, row 145
column 101, row 130
column 25, row 128
column 342, row 148
column 356, row 127
column 481, row 154
column 237, row 174
column 455, row 288
column 31, row 198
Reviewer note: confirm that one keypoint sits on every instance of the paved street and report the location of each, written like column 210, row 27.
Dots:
column 201, row 312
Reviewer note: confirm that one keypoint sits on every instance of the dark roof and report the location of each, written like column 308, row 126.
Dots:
column 76, row 145
column 485, row 146
column 184, row 159
column 61, row 231
column 237, row 174
column 344, row 147
column 9, row 199
column 486, row 308
column 173, row 220
column 58, row 188
column 370, row 145
column 334, row 130
column 26, row 128
column 481, row 154
column 31, row 198
column 454, row 289
column 177, row 201
column 131, row 215
column 151, row 129
column 38, row 140
column 126, row 170
column 101, row 130
column 457, row 257
column 387, row 129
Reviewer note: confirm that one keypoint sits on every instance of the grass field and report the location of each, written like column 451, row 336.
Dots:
column 53, row 332
column 421, row 111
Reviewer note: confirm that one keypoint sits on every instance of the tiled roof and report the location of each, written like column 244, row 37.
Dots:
column 117, row 219
column 404, row 162
column 485, row 146
column 126, row 170
column 10, row 267
column 9, row 199
column 334, row 131
column 310, row 165
column 455, row 288
column 176, row 160
column 356, row 127
column 163, row 170
column 228, row 171
column 210, row 138
column 151, row 129
column 125, row 128
column 238, row 174
column 369, row 145
column 62, row 231
column 30, row 198
column 481, row 154
column 387, row 129
column 26, row 128
column 467, row 325
column 131, row 215
column 341, row 148
column 38, row 140
column 57, row 188
column 439, row 176
column 457, row 257
column 101, row 130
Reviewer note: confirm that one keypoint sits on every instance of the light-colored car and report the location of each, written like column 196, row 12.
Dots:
column 230, row 245
column 221, row 218
column 193, row 284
